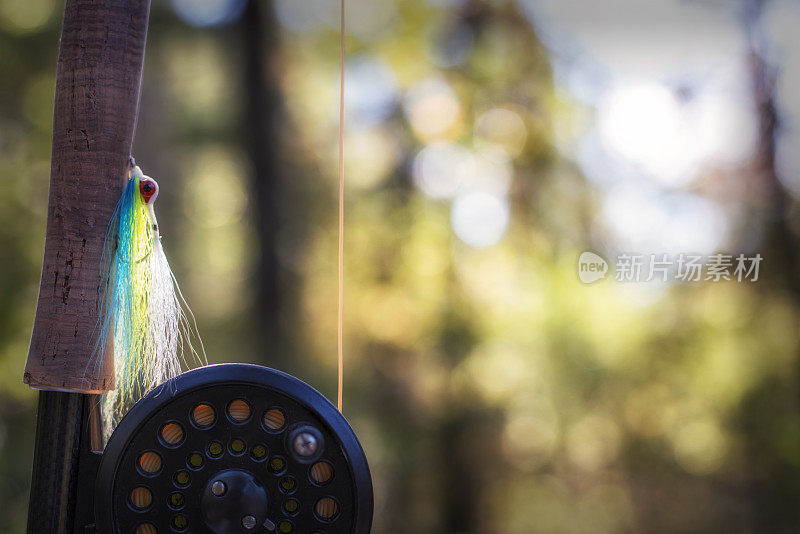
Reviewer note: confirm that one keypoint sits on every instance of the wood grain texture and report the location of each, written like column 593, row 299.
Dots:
column 97, row 94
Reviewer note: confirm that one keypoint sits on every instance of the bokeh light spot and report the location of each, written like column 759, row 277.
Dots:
column 209, row 12
column 480, row 219
column 593, row 442
column 433, row 110
column 701, row 447
column 503, row 128
column 440, row 169
column 25, row 16
column 643, row 124
column 371, row 91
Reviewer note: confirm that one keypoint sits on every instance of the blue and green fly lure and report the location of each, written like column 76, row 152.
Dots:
column 144, row 318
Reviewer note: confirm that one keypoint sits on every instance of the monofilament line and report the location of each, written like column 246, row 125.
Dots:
column 340, row 316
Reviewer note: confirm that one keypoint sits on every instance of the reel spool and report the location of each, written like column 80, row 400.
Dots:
column 233, row 448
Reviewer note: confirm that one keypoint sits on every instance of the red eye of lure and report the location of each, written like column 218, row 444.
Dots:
column 148, row 189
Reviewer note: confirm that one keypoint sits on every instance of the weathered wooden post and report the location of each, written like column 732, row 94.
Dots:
column 96, row 102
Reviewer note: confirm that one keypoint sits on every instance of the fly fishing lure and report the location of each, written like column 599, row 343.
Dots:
column 144, row 318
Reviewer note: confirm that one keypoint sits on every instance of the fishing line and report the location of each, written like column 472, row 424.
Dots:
column 340, row 312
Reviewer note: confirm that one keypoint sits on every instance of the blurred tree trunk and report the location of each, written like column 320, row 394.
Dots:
column 772, row 484
column 260, row 123
column 781, row 240
column 459, row 451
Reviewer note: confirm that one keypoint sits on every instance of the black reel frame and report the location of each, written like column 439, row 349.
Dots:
column 226, row 449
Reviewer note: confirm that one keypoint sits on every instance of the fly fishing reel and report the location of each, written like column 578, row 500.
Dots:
column 233, row 448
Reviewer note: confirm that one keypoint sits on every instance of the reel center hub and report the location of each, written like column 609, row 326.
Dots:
column 234, row 501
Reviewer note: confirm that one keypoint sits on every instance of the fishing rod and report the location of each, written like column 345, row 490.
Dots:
column 228, row 448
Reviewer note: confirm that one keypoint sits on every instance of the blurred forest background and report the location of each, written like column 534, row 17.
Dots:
column 488, row 143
